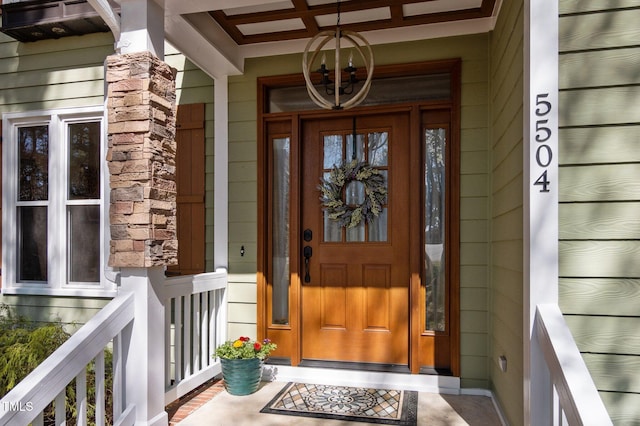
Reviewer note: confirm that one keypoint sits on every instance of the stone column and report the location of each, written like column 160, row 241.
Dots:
column 141, row 158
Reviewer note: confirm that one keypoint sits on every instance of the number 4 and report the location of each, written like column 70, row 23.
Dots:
column 543, row 181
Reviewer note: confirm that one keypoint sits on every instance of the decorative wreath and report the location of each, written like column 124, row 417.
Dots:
column 332, row 189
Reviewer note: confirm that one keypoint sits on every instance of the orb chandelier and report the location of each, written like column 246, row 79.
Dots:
column 340, row 87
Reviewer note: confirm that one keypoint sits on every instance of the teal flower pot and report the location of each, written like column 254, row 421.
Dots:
column 241, row 376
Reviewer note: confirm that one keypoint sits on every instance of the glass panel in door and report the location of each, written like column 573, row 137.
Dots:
column 339, row 149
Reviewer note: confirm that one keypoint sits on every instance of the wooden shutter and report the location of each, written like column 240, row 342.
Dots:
column 190, row 168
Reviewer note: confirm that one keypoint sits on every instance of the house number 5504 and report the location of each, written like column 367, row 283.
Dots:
column 543, row 134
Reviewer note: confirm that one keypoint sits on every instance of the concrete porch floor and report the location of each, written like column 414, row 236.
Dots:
column 214, row 406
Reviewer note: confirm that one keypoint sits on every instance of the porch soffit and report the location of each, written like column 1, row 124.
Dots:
column 219, row 35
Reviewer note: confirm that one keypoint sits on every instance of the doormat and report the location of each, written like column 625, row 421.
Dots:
column 379, row 406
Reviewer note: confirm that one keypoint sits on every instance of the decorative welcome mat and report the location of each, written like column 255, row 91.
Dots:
column 380, row 406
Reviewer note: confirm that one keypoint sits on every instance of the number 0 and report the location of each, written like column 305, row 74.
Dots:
column 544, row 160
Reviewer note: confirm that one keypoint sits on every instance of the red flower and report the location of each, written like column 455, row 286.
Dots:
column 244, row 339
column 257, row 346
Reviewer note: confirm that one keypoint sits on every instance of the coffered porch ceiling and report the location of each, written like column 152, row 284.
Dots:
column 238, row 29
column 294, row 19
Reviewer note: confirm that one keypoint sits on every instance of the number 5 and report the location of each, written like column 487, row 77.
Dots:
column 542, row 103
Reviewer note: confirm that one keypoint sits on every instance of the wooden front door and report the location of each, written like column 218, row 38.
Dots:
column 355, row 281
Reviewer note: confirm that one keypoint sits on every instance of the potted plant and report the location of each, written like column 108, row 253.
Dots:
column 241, row 361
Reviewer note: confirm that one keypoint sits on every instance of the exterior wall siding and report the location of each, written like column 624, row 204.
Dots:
column 68, row 73
column 600, row 195
column 506, row 264
column 474, row 187
column 49, row 74
column 53, row 73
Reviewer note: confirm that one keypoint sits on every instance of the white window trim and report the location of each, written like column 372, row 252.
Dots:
column 57, row 284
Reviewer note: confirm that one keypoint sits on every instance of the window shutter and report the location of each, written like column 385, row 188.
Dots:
column 190, row 171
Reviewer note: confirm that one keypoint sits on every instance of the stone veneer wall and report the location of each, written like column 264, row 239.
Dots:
column 141, row 131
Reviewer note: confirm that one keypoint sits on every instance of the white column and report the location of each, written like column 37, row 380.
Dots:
column 145, row 352
column 221, row 173
column 142, row 27
column 540, row 196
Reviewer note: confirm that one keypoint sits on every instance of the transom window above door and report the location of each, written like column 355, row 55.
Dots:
column 384, row 91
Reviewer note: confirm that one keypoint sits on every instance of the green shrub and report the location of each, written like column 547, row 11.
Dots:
column 25, row 344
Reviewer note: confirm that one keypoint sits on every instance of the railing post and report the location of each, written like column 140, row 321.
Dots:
column 222, row 315
column 541, row 386
column 145, row 360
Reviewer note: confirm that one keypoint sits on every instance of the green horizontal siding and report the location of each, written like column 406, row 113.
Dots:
column 70, row 311
column 606, row 29
column 600, row 194
column 581, row 6
column 592, row 145
column 626, row 405
column 605, row 66
column 605, row 334
column 600, row 106
column 600, row 182
column 506, row 208
column 599, row 296
column 600, row 221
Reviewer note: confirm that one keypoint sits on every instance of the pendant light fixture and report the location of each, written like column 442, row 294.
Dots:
column 344, row 79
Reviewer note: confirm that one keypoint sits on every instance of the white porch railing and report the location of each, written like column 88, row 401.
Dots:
column 195, row 323
column 47, row 383
column 573, row 395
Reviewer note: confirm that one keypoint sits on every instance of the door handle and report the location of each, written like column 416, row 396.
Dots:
column 307, row 253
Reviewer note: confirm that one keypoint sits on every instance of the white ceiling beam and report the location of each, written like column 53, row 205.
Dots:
column 200, row 39
column 108, row 16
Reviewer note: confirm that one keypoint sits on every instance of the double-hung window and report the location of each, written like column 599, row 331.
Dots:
column 52, row 221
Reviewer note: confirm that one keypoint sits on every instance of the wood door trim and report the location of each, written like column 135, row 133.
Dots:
column 415, row 240
column 453, row 67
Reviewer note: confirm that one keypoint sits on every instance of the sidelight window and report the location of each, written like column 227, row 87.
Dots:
column 434, row 233
column 280, row 230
